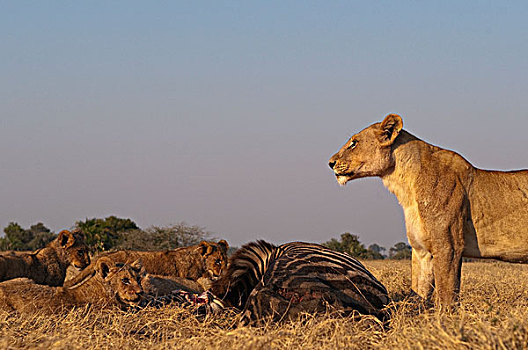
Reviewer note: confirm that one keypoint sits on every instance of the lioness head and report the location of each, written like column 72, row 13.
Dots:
column 367, row 153
column 77, row 251
column 215, row 257
column 123, row 280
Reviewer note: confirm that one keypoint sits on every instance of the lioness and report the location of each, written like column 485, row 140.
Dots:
column 111, row 284
column 451, row 208
column 47, row 265
column 203, row 262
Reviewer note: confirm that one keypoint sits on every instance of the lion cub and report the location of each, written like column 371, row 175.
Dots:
column 47, row 265
column 110, row 284
column 202, row 263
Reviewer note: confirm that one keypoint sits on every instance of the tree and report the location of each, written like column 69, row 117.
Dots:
column 349, row 244
column 376, row 248
column 400, row 251
column 162, row 238
column 104, row 234
column 41, row 236
column 18, row 238
column 374, row 252
column 15, row 238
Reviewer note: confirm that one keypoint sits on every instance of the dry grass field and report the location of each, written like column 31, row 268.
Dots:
column 493, row 314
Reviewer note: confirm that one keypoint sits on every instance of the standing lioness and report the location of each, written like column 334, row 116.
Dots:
column 451, row 208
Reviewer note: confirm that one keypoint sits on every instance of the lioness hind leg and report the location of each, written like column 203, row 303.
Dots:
column 423, row 280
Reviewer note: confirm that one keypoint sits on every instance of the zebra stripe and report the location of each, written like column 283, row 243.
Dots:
column 316, row 250
column 266, row 281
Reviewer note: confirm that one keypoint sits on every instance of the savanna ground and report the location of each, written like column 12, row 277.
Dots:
column 493, row 314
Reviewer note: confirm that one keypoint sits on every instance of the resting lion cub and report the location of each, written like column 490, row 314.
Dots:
column 451, row 208
column 47, row 265
column 111, row 284
column 203, row 262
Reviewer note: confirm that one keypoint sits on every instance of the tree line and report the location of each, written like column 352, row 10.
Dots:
column 349, row 243
column 113, row 233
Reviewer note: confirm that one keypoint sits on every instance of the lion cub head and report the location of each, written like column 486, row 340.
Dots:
column 214, row 256
column 367, row 153
column 122, row 280
column 76, row 250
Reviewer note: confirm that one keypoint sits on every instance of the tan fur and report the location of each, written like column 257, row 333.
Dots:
column 163, row 285
column 111, row 284
column 201, row 262
column 47, row 265
column 451, row 208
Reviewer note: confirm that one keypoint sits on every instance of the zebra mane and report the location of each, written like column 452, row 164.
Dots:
column 245, row 270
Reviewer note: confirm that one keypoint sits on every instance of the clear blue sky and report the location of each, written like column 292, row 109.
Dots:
column 223, row 114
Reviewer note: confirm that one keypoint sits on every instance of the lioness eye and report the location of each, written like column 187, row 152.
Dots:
column 353, row 144
column 125, row 280
column 218, row 262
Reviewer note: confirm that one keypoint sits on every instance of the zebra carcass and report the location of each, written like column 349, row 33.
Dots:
column 278, row 282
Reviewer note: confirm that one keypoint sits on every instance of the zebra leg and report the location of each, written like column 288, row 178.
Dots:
column 276, row 305
column 263, row 305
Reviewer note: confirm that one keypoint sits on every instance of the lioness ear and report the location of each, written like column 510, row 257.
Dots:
column 223, row 244
column 103, row 266
column 66, row 239
column 390, row 129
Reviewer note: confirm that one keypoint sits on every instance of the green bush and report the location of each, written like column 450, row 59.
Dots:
column 105, row 234
column 350, row 244
column 18, row 238
column 162, row 238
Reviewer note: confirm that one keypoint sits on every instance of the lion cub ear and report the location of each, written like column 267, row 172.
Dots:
column 78, row 234
column 223, row 244
column 138, row 266
column 66, row 239
column 390, row 128
column 103, row 266
column 205, row 248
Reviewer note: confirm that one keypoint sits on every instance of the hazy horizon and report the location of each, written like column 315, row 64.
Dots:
column 224, row 114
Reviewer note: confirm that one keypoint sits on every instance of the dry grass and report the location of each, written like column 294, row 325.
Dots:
column 493, row 314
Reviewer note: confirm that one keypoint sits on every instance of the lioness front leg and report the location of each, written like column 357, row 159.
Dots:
column 447, row 265
column 422, row 273
column 447, row 248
